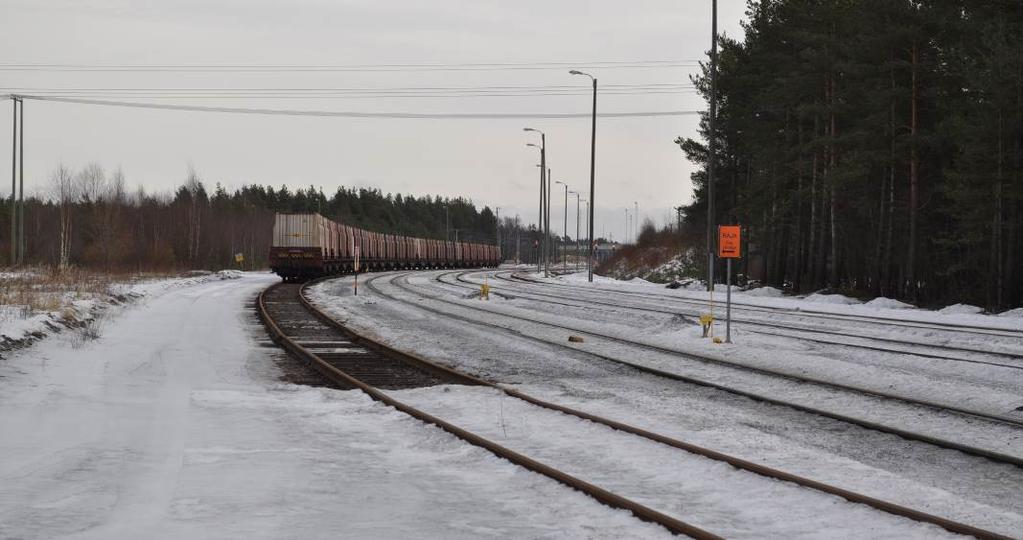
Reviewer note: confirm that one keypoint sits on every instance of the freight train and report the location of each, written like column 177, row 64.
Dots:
column 309, row 245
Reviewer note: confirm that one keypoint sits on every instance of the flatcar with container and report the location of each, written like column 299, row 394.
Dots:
column 309, row 245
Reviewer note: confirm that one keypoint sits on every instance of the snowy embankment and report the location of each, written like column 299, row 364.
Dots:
column 769, row 297
column 173, row 424
column 78, row 311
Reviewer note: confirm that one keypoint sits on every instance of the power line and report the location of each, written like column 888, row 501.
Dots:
column 494, row 66
column 354, row 114
column 354, row 89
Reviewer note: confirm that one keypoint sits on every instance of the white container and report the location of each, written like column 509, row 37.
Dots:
column 298, row 230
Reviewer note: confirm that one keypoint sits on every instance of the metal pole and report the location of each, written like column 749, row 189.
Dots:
column 21, row 182
column 564, row 246
column 539, row 217
column 711, row 146
column 518, row 238
column 626, row 237
column 14, row 178
column 635, row 222
column 544, row 180
column 577, row 251
column 593, row 160
column 728, row 303
column 447, row 224
column 547, row 228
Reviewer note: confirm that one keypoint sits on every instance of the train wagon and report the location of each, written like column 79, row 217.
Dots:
column 309, row 245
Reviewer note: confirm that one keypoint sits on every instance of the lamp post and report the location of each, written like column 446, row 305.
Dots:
column 564, row 231
column 586, row 212
column 547, row 227
column 498, row 208
column 539, row 219
column 593, row 159
column 576, row 193
column 543, row 201
column 626, row 237
column 635, row 222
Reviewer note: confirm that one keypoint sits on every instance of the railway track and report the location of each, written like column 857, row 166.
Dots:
column 788, row 330
column 876, row 426
column 352, row 361
column 820, row 314
column 945, row 407
column 307, row 332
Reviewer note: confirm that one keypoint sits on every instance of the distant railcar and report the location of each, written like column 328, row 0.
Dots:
column 309, row 245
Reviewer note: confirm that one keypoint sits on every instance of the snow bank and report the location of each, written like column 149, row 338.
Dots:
column 888, row 303
column 765, row 292
column 961, row 309
column 1012, row 313
column 20, row 326
column 831, row 299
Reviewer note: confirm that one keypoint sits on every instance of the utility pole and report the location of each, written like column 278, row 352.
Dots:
column 498, row 228
column 711, row 143
column 447, row 224
column 14, row 186
column 21, row 181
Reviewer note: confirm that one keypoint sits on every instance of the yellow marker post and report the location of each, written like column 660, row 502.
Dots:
column 485, row 289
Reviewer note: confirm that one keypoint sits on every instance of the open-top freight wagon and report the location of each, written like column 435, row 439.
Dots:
column 310, row 245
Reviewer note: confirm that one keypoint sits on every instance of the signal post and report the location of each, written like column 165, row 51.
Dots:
column 729, row 241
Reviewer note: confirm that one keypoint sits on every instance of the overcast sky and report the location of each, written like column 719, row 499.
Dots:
column 485, row 160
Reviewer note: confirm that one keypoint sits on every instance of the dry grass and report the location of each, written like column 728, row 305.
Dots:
column 41, row 289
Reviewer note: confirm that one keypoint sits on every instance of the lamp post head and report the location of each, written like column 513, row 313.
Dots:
column 577, row 72
column 533, row 145
column 532, row 129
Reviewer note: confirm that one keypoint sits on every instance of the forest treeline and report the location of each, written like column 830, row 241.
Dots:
column 89, row 218
column 873, row 146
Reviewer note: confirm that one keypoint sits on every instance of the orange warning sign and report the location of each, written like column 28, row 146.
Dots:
column 728, row 241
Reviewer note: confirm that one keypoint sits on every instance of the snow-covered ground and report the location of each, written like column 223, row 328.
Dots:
column 173, row 424
column 918, row 475
column 824, row 303
column 82, row 312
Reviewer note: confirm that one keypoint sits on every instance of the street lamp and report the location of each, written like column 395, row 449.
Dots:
column 593, row 158
column 635, row 222
column 564, row 248
column 586, row 212
column 543, row 201
column 576, row 193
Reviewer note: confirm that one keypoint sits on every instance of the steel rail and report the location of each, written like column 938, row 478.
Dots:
column 565, row 302
column 906, row 434
column 335, row 375
column 739, row 463
column 763, row 371
column 910, row 323
column 699, row 304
